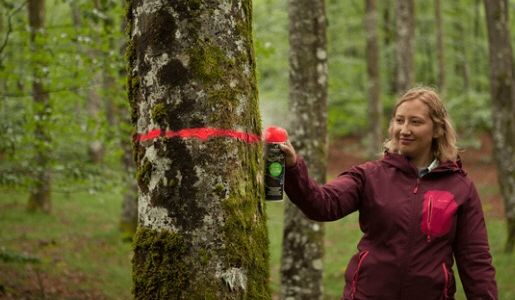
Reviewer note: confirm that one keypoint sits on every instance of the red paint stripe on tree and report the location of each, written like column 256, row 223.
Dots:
column 201, row 133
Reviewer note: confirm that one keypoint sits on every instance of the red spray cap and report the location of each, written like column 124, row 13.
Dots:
column 275, row 135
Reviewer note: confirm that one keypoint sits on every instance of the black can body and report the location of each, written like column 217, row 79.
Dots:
column 274, row 172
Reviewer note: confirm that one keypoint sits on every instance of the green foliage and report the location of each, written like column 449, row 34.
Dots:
column 477, row 116
column 271, row 42
column 73, row 56
column 466, row 61
column 80, row 53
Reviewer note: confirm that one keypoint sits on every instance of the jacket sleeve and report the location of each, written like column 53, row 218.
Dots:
column 328, row 202
column 472, row 251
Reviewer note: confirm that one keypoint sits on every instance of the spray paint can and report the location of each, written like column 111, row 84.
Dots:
column 274, row 164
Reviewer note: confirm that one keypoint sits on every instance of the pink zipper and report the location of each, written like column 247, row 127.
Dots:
column 415, row 190
column 445, row 289
column 429, row 215
column 356, row 274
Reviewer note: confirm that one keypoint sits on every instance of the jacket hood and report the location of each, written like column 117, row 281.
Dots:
column 402, row 163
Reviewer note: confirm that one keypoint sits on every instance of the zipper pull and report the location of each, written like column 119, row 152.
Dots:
column 446, row 288
column 415, row 190
column 429, row 218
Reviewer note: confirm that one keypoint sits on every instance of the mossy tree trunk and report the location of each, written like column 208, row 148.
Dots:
column 40, row 193
column 405, row 22
column 502, row 87
column 303, row 247
column 191, row 79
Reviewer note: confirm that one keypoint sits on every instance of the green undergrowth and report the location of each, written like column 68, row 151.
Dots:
column 75, row 250
column 78, row 248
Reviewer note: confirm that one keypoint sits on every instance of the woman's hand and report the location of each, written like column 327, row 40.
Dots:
column 290, row 156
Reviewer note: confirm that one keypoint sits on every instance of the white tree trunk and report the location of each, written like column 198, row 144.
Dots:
column 502, row 86
column 303, row 247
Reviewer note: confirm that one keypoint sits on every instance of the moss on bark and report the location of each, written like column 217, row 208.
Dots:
column 160, row 271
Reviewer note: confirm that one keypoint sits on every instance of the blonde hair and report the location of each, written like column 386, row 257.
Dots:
column 444, row 145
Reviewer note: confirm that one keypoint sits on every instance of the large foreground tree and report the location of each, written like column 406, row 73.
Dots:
column 502, row 87
column 192, row 89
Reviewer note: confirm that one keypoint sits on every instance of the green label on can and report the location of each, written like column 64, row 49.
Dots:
column 275, row 169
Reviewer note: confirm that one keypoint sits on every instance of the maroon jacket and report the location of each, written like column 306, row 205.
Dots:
column 412, row 228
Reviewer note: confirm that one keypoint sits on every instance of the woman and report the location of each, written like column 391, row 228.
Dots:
column 417, row 209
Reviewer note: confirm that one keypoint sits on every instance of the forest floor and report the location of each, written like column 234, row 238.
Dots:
column 29, row 281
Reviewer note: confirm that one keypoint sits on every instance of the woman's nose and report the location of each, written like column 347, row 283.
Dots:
column 405, row 130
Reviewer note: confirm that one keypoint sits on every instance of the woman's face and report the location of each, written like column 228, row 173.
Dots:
column 413, row 131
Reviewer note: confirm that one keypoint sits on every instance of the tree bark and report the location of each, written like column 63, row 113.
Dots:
column 94, row 106
column 479, row 65
column 440, row 47
column 40, row 193
column 502, row 88
column 129, row 216
column 462, row 65
column 94, row 99
column 389, row 34
column 111, row 88
column 303, row 248
column 4, row 34
column 405, row 21
column 375, row 107
column 194, row 103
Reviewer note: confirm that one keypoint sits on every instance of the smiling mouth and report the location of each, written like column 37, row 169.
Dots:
column 405, row 141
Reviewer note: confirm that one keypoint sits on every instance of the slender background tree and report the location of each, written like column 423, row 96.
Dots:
column 40, row 195
column 129, row 216
column 303, row 239
column 375, row 106
column 440, row 52
column 502, row 86
column 405, row 28
column 461, row 66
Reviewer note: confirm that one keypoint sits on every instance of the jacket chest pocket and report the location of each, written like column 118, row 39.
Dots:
column 437, row 213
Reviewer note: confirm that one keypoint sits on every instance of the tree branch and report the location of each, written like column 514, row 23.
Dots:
column 9, row 24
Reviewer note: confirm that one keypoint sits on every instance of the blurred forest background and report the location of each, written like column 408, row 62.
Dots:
column 64, row 122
